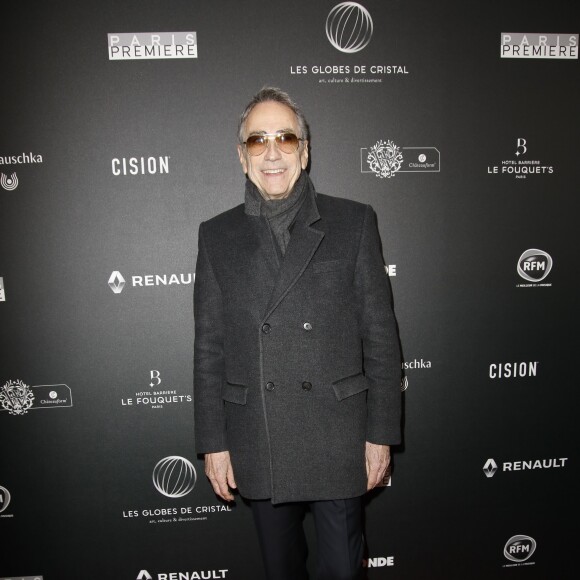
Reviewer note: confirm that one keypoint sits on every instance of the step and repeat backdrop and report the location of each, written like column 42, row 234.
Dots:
column 457, row 121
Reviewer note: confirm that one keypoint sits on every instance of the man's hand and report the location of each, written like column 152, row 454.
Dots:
column 378, row 458
column 218, row 469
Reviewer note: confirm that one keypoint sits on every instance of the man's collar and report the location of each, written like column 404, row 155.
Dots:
column 253, row 198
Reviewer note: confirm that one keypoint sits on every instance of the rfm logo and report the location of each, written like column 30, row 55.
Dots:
column 534, row 265
column 519, row 548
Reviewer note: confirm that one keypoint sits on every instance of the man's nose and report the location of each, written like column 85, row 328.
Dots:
column 272, row 151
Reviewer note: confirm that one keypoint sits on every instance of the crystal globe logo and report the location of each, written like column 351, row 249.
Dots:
column 174, row 476
column 349, row 27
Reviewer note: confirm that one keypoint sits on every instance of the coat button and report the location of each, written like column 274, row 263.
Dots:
column 306, row 385
column 266, row 328
column 269, row 386
column 307, row 326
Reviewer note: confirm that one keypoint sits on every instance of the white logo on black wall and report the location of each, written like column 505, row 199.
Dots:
column 519, row 549
column 18, row 398
column 117, row 280
column 349, row 29
column 160, row 395
column 490, row 467
column 4, row 501
column 140, row 165
column 195, row 575
column 521, row 167
column 385, row 159
column 9, row 180
column 513, row 370
column 538, row 45
column 534, row 266
column 2, row 292
column 175, row 477
column 152, row 45
column 412, row 365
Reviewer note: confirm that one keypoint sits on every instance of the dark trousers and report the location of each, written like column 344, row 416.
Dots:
column 339, row 538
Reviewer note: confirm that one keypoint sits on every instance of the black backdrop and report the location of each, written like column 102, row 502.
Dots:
column 96, row 375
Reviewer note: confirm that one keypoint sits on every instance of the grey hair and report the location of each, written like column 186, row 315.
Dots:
column 277, row 95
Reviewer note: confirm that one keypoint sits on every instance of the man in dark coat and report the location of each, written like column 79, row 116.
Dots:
column 297, row 362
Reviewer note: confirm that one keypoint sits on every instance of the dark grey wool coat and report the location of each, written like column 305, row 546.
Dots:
column 296, row 366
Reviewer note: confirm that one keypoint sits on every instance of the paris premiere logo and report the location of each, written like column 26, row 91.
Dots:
column 16, row 397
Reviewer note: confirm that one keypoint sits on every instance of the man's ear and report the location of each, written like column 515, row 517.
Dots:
column 243, row 160
column 304, row 155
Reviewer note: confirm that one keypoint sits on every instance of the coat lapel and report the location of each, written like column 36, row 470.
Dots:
column 303, row 243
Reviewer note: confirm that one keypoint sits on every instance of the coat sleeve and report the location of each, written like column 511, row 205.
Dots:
column 208, row 358
column 378, row 329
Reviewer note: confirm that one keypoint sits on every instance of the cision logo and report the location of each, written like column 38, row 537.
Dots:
column 140, row 165
column 490, row 467
column 152, row 45
column 117, row 280
column 385, row 159
column 159, row 396
column 18, row 398
column 512, row 370
column 534, row 266
column 538, row 45
column 521, row 167
column 519, row 549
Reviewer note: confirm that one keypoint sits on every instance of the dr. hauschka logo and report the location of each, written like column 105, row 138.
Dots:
column 519, row 549
column 9, row 182
column 4, row 498
column 538, row 45
column 534, row 265
column 2, row 292
column 385, row 159
column 174, row 476
column 490, row 468
column 116, row 282
column 18, row 398
column 414, row 364
column 152, row 45
column 159, row 396
column 520, row 168
column 140, row 165
column 349, row 27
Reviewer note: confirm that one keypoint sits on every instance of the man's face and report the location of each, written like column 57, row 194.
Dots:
column 273, row 172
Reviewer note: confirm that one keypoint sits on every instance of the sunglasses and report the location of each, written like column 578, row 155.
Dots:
column 286, row 142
